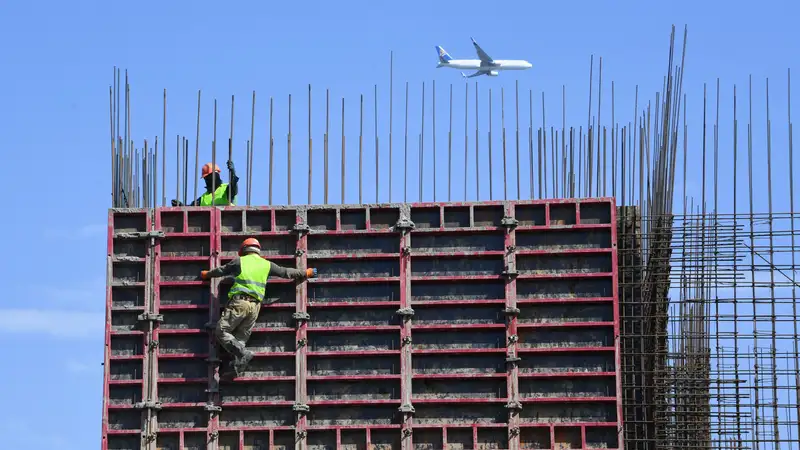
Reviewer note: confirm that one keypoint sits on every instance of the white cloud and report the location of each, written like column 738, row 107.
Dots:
column 56, row 323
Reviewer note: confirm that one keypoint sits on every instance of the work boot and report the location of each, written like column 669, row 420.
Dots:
column 241, row 362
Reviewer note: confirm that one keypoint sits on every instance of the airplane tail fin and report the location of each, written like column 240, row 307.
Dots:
column 444, row 57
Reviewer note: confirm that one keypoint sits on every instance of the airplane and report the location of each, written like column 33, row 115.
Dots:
column 485, row 65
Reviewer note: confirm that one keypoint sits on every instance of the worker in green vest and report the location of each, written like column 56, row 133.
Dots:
column 216, row 191
column 250, row 272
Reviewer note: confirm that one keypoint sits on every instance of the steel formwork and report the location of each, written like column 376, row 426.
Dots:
column 432, row 325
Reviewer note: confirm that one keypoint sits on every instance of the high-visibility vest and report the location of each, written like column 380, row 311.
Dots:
column 252, row 280
column 220, row 197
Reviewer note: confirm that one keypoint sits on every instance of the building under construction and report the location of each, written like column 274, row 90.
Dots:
column 590, row 310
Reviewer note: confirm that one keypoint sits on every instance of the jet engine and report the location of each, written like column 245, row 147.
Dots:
column 493, row 73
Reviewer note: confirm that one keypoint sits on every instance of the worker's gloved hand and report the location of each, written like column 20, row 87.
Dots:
column 311, row 273
column 177, row 203
column 230, row 166
column 204, row 274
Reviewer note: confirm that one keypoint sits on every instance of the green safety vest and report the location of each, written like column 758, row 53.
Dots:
column 252, row 280
column 220, row 197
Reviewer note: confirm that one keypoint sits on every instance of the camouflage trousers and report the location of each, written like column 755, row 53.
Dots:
column 236, row 323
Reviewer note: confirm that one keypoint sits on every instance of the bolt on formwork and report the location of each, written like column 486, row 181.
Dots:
column 706, row 229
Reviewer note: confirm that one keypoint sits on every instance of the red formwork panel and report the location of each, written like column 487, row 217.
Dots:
column 438, row 325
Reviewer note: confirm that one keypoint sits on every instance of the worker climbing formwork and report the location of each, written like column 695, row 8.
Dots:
column 217, row 193
column 250, row 272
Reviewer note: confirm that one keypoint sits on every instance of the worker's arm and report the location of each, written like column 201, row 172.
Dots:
column 287, row 272
column 233, row 268
column 233, row 185
column 180, row 203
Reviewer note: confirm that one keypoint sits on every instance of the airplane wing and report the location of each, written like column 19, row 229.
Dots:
column 473, row 75
column 486, row 60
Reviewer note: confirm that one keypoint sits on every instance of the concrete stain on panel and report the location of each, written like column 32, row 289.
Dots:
column 127, row 297
column 182, row 343
column 568, row 312
column 446, row 389
column 601, row 437
column 428, row 440
column 256, row 417
column 580, row 263
column 458, row 364
column 183, row 418
column 555, row 338
column 574, row 362
column 126, row 345
column 124, row 419
column 354, row 390
column 184, row 295
column 564, row 288
column 328, row 342
column 125, row 370
column 463, row 413
column 184, row 320
column 374, row 365
column 182, row 393
column 353, row 415
column 573, row 412
column 124, row 395
column 123, row 442
column 256, row 392
column 271, row 367
column 456, row 339
column 564, row 388
column 534, row 438
column 191, row 368
column 271, row 342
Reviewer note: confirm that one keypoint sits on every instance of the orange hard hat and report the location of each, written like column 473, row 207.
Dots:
column 249, row 242
column 208, row 168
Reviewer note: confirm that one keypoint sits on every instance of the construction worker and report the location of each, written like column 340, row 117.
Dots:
column 219, row 196
column 250, row 272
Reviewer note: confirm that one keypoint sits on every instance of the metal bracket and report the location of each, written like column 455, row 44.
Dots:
column 212, row 359
column 406, row 408
column 407, row 313
column 510, row 273
column 511, row 248
column 148, row 437
column 299, row 252
column 513, row 431
column 301, row 434
column 214, row 435
column 406, row 251
column 301, row 228
column 155, row 234
column 509, row 222
column 301, row 407
column 406, row 340
column 406, row 432
column 513, row 359
column 511, row 311
column 514, row 405
column 513, row 338
column 301, row 316
column 210, row 407
column 302, row 342
column 152, row 345
column 150, row 317
column 212, row 390
column 404, row 224
column 147, row 405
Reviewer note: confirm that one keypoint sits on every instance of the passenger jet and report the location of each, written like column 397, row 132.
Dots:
column 484, row 66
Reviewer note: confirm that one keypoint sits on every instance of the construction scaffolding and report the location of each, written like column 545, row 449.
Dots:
column 708, row 335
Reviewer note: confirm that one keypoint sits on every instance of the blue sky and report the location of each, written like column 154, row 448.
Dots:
column 58, row 61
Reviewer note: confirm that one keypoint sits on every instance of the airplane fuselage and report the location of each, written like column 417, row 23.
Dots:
column 499, row 64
